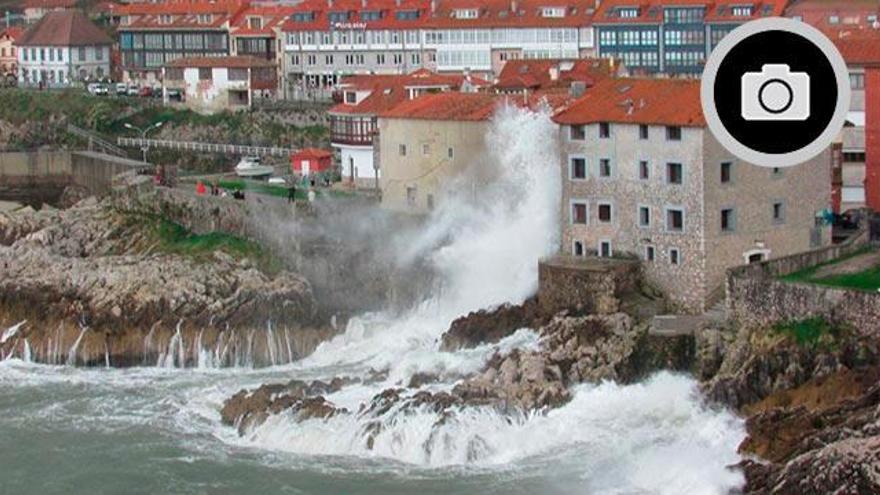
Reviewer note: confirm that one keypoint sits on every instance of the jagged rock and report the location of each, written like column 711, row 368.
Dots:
column 487, row 326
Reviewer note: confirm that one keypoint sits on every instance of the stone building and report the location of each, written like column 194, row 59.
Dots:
column 62, row 49
column 213, row 84
column 644, row 177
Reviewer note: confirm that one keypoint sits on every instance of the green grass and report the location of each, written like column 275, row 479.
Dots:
column 809, row 332
column 868, row 280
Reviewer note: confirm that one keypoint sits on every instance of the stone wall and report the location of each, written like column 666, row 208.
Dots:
column 591, row 285
column 756, row 298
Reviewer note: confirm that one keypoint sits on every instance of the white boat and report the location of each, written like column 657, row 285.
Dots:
column 252, row 166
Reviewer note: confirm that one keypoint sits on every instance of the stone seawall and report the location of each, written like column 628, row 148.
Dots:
column 587, row 285
column 757, row 298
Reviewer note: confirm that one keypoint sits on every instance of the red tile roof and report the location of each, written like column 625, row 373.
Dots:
column 311, row 154
column 651, row 11
column 638, row 101
column 512, row 13
column 13, row 32
column 48, row 4
column 64, row 28
column 320, row 14
column 238, row 62
column 467, row 107
column 386, row 91
column 859, row 46
column 184, row 14
column 272, row 16
column 539, row 74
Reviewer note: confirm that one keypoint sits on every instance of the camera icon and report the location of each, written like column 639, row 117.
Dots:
column 776, row 94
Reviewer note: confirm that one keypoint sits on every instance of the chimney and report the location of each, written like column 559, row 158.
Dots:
column 577, row 89
column 363, row 4
column 514, row 6
column 554, row 73
column 398, row 2
column 330, row 3
column 433, row 6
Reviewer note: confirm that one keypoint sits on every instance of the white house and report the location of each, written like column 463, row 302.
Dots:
column 62, row 49
column 212, row 84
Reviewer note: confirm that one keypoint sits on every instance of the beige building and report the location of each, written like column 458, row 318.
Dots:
column 644, row 177
column 212, row 84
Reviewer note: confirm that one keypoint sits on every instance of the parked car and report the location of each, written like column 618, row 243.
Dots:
column 174, row 94
column 133, row 90
column 146, row 91
column 98, row 89
column 121, row 89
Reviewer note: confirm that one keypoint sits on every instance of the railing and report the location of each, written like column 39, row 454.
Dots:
column 96, row 142
column 229, row 149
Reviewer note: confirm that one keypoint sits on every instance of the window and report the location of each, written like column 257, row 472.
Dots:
column 604, row 130
column 401, row 150
column 577, row 248
column 644, row 170
column 674, row 173
column 605, row 212
column 410, row 196
column 673, row 133
column 553, row 12
column 728, row 220
column 579, row 213
column 674, row 220
column 778, row 212
column 255, row 23
column 643, row 132
column 577, row 133
column 604, row 167
column 644, row 216
column 99, row 53
column 578, row 168
column 81, row 56
column 854, row 156
column 426, row 149
column 350, row 97
column 674, row 256
column 450, row 153
column 742, row 11
column 466, row 13
column 726, row 172
column 605, row 249
column 628, row 13
column 776, row 173
column 430, row 202
column 833, row 19
column 857, row 80
column 649, row 253
column 204, row 73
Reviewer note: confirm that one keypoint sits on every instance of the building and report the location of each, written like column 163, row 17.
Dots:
column 329, row 39
column 835, row 13
column 62, row 49
column 857, row 179
column 353, row 122
column 528, row 76
column 644, row 177
column 213, row 84
column 256, row 32
column 8, row 54
column 34, row 10
column 153, row 34
column 310, row 161
column 668, row 36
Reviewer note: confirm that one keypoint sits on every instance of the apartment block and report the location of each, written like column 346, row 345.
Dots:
column 668, row 37
column 644, row 177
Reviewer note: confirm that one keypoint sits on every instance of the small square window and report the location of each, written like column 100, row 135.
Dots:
column 402, row 150
column 204, row 73
column 577, row 133
column 426, row 149
column 644, row 170
column 674, row 173
column 728, row 220
column 643, row 132
column 579, row 213
column 726, row 172
column 604, row 167
column 577, row 248
column 578, row 168
column 649, row 253
column 605, row 249
column 675, row 220
column 777, row 173
column 604, row 130
column 450, row 153
column 673, row 133
column 674, row 256
column 605, row 212
column 778, row 212
column 644, row 216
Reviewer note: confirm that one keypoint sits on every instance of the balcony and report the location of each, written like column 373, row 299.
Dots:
column 352, row 131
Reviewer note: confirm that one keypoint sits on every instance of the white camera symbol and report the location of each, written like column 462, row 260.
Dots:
column 776, row 94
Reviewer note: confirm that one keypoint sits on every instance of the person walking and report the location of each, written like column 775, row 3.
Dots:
column 291, row 193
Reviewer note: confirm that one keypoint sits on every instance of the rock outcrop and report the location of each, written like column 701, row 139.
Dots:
column 488, row 326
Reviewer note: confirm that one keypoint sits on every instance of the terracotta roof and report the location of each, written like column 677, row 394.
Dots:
column 48, row 4
column 312, row 153
column 513, row 13
column 638, row 101
column 539, row 74
column 319, row 11
column 227, row 62
column 64, row 28
column 386, row 91
column 272, row 16
column 183, row 14
column 651, row 11
column 468, row 107
column 858, row 46
column 13, row 32
column 799, row 6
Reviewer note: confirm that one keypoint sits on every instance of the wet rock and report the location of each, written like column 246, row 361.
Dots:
column 488, row 326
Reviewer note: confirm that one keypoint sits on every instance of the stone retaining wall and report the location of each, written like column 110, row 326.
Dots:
column 757, row 298
column 589, row 285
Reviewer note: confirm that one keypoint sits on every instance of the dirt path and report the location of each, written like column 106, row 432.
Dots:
column 855, row 264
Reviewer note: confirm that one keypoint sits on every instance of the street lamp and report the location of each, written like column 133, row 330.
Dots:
column 144, row 132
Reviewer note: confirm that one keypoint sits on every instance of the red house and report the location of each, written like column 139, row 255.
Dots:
column 311, row 161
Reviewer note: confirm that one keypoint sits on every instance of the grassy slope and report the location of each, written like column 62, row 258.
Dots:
column 868, row 280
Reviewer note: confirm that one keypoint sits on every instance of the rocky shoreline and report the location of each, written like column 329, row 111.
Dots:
column 98, row 282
